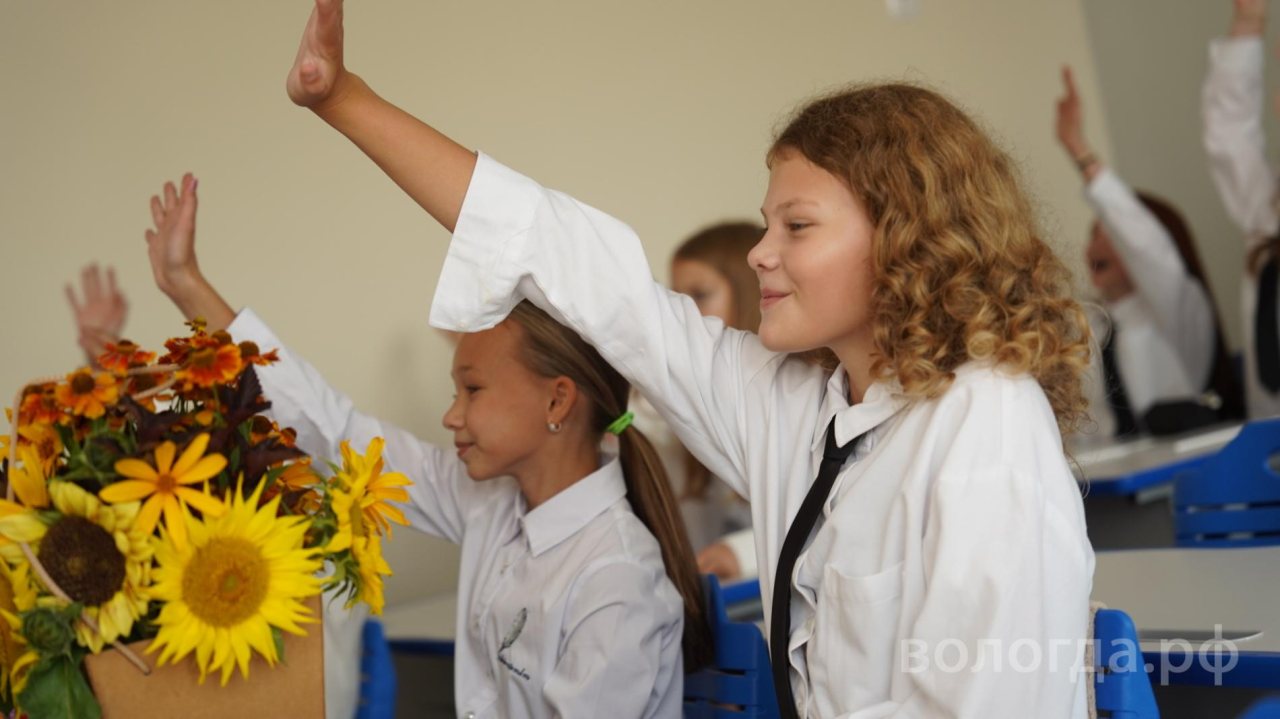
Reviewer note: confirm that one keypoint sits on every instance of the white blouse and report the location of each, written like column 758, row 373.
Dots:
column 950, row 574
column 563, row 611
column 1232, row 102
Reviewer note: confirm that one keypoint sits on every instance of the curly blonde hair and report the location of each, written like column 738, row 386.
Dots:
column 960, row 270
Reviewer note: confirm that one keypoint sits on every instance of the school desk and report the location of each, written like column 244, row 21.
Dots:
column 1145, row 465
column 1184, row 594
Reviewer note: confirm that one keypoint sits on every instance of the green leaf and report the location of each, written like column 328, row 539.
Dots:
column 278, row 637
column 57, row 689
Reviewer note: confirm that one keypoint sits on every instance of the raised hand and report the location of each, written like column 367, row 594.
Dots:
column 1249, row 18
column 171, row 247
column 171, row 242
column 317, row 73
column 99, row 312
column 1070, row 122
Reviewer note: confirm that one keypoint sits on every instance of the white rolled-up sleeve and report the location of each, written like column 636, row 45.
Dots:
column 441, row 493
column 1232, row 102
column 516, row 240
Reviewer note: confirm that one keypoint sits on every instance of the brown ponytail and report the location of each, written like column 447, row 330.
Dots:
column 552, row 350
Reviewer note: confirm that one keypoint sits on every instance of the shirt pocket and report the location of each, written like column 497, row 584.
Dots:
column 855, row 633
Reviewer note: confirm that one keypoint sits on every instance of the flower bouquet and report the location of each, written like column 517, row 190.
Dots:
column 154, row 509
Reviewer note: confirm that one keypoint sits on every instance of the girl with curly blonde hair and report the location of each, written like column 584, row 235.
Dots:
column 938, row 565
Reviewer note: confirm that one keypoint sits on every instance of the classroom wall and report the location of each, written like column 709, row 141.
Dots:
column 1151, row 58
column 656, row 112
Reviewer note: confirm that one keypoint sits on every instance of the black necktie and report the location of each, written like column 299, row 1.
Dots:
column 1117, row 398
column 1266, row 336
column 833, row 458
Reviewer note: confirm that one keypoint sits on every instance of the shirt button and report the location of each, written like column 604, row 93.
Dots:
column 471, row 715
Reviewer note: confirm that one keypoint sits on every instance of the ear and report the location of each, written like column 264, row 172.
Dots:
column 564, row 396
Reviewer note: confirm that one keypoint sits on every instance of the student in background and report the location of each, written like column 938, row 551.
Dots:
column 901, row 250
column 1233, row 99
column 577, row 595
column 1163, row 367
column 710, row 267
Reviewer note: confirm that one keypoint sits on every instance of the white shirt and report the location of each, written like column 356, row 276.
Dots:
column 1167, row 331
column 1233, row 99
column 563, row 611
column 957, row 522
column 719, row 512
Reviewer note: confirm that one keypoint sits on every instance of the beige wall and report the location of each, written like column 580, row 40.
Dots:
column 657, row 112
column 1150, row 81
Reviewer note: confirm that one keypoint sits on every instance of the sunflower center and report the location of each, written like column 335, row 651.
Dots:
column 82, row 383
column 83, row 559
column 225, row 582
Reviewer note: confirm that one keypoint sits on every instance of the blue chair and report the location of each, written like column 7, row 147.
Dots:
column 1232, row 499
column 377, row 675
column 738, row 684
column 1266, row 709
column 1121, row 686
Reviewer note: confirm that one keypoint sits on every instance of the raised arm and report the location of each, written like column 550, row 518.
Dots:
column 1178, row 300
column 1232, row 104
column 441, row 495
column 99, row 311
column 514, row 239
column 433, row 169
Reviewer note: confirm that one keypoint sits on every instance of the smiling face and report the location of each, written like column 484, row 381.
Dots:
column 501, row 408
column 814, row 261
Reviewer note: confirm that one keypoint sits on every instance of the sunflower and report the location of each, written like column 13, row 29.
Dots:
column 18, row 520
column 240, row 575
column 98, row 556
column 17, row 595
column 87, row 394
column 211, row 365
column 46, row 440
column 28, row 479
column 165, row 485
column 363, row 491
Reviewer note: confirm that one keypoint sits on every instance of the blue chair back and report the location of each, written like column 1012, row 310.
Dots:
column 377, row 675
column 1120, row 680
column 1266, row 709
column 1232, row 499
column 738, row 684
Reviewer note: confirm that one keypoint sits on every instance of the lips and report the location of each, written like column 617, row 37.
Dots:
column 769, row 298
column 463, row 447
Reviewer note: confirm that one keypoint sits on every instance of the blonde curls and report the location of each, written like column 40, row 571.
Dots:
column 960, row 272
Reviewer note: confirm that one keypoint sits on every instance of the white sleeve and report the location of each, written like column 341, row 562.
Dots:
column 517, row 240
column 621, row 646
column 1007, row 583
column 441, row 494
column 1232, row 101
column 1179, row 302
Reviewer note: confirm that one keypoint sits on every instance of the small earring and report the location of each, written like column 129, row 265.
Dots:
column 554, row 427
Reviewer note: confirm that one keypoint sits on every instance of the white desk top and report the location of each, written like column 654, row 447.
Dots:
column 1180, row 590
column 1108, row 460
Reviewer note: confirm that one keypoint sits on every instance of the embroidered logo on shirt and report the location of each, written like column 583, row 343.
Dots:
column 513, row 634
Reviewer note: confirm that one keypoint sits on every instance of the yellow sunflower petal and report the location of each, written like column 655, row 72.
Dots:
column 136, row 469
column 208, row 505
column 164, row 457
column 149, row 515
column 127, row 490
column 191, row 455
column 175, row 520
column 205, row 469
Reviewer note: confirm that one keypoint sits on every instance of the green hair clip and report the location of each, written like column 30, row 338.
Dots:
column 620, row 424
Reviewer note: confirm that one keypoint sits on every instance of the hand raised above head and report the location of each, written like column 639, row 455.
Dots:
column 317, row 71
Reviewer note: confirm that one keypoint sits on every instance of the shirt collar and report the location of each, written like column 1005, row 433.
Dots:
column 561, row 516
column 882, row 400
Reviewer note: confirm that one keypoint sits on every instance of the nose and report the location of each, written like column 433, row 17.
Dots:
column 764, row 256
column 453, row 416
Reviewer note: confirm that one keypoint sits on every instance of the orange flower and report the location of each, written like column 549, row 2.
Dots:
column 208, row 366
column 39, row 407
column 250, row 353
column 86, row 394
column 120, row 356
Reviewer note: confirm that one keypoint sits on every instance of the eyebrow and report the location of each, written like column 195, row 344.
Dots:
column 790, row 203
